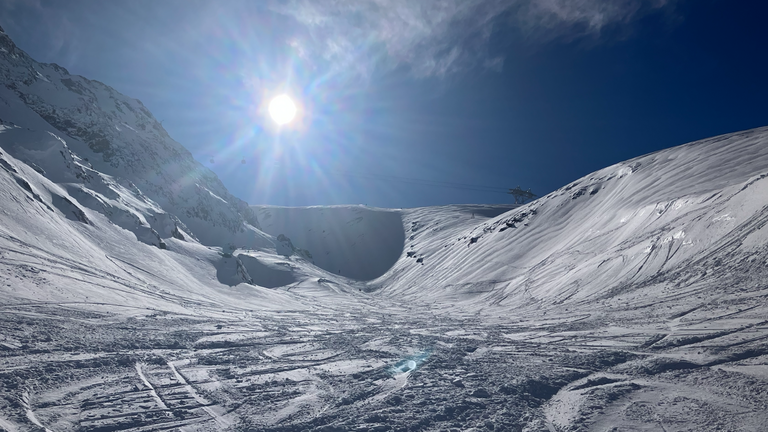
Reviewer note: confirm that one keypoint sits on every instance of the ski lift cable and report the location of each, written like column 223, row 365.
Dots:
column 425, row 182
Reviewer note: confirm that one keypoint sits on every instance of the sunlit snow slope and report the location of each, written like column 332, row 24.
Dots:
column 682, row 213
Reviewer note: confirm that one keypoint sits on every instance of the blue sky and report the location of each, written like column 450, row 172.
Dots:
column 416, row 102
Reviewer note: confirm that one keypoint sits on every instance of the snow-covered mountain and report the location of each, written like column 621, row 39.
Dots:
column 138, row 294
column 102, row 132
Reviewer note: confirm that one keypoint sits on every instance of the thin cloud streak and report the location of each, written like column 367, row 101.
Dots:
column 440, row 37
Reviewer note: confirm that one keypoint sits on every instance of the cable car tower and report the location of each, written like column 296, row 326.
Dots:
column 522, row 195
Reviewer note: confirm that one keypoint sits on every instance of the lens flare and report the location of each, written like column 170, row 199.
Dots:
column 410, row 364
column 282, row 109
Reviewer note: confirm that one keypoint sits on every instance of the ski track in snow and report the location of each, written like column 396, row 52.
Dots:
column 149, row 386
column 31, row 414
column 204, row 404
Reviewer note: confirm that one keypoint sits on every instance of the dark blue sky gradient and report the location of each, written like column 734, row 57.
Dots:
column 559, row 108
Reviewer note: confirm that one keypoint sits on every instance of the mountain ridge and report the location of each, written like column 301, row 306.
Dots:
column 118, row 136
column 678, row 204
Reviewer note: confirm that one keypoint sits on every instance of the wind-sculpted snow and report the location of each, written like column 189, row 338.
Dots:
column 658, row 217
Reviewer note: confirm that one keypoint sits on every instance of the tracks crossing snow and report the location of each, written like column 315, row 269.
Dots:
column 149, row 386
column 204, row 404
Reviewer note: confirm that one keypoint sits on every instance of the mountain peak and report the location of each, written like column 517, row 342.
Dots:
column 119, row 137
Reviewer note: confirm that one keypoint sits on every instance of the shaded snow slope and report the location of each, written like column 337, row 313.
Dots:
column 53, row 249
column 357, row 242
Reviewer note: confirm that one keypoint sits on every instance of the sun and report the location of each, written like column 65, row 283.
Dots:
column 282, row 109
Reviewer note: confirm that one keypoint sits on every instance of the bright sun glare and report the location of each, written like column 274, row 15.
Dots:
column 282, row 109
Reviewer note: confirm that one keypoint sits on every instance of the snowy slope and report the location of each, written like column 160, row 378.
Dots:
column 139, row 295
column 117, row 136
column 56, row 246
column 681, row 213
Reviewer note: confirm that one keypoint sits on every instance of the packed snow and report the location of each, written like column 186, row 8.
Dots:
column 139, row 295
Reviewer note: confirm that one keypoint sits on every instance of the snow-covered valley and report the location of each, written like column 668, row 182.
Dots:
column 138, row 294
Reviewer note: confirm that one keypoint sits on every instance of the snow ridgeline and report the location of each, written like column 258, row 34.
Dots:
column 116, row 136
column 680, row 216
column 95, row 172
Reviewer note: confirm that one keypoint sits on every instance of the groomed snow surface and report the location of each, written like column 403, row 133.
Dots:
column 138, row 295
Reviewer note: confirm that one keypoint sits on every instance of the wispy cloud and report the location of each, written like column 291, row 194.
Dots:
column 438, row 37
column 582, row 17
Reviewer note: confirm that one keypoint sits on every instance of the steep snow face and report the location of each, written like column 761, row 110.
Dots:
column 64, row 243
column 680, row 214
column 356, row 242
column 117, row 136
